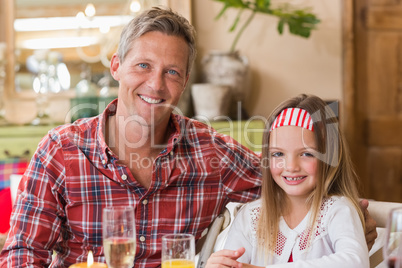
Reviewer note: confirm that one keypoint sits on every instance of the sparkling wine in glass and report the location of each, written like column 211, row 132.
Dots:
column 119, row 236
column 392, row 250
column 178, row 251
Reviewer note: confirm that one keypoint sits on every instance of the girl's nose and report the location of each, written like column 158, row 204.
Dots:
column 292, row 164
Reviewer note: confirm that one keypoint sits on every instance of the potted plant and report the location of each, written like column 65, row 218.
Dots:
column 233, row 68
column 300, row 21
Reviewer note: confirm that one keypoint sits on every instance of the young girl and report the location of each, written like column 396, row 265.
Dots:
column 308, row 215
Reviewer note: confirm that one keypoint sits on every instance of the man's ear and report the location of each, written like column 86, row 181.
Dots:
column 185, row 83
column 114, row 66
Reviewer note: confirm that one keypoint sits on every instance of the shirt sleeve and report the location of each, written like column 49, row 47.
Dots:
column 36, row 218
column 240, row 170
column 348, row 241
column 239, row 235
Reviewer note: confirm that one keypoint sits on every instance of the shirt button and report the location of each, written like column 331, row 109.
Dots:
column 124, row 177
column 171, row 153
column 142, row 238
column 103, row 161
column 145, row 201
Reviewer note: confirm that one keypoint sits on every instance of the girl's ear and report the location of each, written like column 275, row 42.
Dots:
column 114, row 67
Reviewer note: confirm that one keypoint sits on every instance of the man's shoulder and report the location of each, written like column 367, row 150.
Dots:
column 78, row 128
column 193, row 129
column 191, row 124
column 202, row 134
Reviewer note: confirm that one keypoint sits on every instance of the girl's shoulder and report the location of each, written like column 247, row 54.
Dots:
column 334, row 204
column 250, row 213
column 250, row 206
column 336, row 201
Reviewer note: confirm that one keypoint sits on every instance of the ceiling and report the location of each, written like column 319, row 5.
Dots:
column 63, row 2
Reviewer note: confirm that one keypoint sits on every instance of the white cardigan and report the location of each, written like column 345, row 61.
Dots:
column 338, row 241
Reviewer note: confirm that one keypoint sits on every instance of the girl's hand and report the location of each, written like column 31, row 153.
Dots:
column 225, row 258
column 246, row 265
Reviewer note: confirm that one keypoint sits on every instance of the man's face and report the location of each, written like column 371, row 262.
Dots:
column 152, row 77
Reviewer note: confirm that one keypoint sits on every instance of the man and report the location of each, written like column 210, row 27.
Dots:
column 177, row 173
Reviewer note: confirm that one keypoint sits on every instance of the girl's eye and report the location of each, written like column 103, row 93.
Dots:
column 143, row 65
column 173, row 72
column 276, row 154
column 307, row 154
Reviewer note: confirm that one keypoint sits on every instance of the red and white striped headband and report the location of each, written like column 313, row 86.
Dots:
column 293, row 117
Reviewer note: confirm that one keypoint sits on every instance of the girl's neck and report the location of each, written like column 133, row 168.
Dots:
column 295, row 212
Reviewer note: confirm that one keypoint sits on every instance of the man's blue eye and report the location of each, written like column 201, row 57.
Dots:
column 143, row 65
column 172, row 72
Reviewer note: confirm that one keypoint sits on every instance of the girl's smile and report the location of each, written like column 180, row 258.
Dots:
column 292, row 161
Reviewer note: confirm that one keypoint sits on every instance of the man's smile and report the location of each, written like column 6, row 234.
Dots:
column 150, row 100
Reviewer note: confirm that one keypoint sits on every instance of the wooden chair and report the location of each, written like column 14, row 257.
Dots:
column 205, row 246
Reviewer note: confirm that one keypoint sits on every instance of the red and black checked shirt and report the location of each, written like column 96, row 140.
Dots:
column 73, row 175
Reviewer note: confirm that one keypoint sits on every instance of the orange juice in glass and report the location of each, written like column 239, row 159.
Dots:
column 178, row 251
column 178, row 263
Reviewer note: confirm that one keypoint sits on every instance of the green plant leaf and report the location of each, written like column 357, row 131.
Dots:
column 236, row 21
column 233, row 3
column 300, row 21
column 281, row 23
column 262, row 4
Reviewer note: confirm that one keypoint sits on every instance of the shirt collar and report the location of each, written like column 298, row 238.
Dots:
column 176, row 124
column 105, row 151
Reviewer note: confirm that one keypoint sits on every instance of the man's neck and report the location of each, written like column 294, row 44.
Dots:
column 135, row 136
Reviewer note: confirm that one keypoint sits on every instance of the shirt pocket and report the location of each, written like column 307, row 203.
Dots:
column 86, row 198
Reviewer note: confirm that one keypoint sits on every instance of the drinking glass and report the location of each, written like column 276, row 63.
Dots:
column 119, row 236
column 178, row 251
column 392, row 249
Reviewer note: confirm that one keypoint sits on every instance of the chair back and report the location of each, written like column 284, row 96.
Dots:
column 380, row 210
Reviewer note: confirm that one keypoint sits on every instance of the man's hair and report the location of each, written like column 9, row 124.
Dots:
column 161, row 20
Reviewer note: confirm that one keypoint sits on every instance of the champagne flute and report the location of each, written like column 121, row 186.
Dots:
column 119, row 236
column 178, row 251
column 392, row 249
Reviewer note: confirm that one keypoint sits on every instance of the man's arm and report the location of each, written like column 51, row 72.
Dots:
column 371, row 231
column 34, row 223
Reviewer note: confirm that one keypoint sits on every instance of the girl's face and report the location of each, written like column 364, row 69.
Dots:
column 292, row 162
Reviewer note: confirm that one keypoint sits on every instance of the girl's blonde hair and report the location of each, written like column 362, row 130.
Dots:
column 335, row 171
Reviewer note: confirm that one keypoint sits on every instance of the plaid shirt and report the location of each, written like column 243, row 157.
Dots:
column 73, row 175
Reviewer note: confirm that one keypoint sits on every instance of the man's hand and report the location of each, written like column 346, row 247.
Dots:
column 225, row 258
column 371, row 232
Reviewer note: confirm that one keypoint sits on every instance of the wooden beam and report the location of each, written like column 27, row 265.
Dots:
column 384, row 18
column 384, row 132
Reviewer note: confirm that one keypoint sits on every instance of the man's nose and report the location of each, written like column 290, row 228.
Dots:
column 155, row 80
